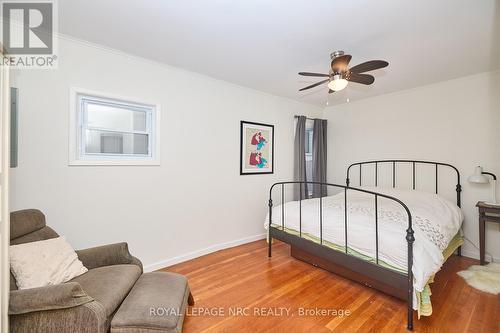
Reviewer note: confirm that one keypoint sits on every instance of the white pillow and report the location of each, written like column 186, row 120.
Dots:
column 43, row 263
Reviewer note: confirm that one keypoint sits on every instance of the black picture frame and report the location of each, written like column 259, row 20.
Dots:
column 244, row 172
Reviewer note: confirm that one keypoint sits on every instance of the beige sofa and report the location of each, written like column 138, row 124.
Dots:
column 89, row 302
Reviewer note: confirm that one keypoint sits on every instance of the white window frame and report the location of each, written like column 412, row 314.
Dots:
column 77, row 155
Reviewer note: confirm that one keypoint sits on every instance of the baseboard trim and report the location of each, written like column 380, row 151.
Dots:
column 195, row 254
column 475, row 255
column 217, row 247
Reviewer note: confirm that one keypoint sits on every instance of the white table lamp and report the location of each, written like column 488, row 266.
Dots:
column 479, row 177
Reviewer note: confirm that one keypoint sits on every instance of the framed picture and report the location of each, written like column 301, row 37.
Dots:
column 256, row 148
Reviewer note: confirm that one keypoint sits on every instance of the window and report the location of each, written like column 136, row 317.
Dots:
column 113, row 131
column 309, row 150
column 309, row 140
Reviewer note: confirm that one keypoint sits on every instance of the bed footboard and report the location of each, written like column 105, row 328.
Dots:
column 403, row 283
column 341, row 262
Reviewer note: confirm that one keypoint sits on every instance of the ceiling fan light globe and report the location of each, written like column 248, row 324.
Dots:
column 337, row 84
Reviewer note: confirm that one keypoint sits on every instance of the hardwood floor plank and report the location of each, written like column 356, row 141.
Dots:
column 244, row 278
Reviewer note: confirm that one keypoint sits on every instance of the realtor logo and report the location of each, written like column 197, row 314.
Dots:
column 28, row 33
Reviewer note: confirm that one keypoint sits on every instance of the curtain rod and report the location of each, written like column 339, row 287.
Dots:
column 308, row 118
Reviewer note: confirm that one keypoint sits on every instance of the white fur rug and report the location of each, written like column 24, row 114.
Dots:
column 485, row 278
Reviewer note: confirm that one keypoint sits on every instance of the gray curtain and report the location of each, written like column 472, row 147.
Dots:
column 299, row 163
column 319, row 157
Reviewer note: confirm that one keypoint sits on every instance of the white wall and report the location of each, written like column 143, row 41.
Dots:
column 195, row 200
column 455, row 121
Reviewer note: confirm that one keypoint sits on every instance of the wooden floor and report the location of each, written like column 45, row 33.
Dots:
column 245, row 278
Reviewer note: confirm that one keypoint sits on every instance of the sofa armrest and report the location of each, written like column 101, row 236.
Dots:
column 107, row 255
column 86, row 318
column 60, row 296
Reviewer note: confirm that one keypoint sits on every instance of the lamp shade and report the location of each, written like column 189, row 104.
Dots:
column 478, row 177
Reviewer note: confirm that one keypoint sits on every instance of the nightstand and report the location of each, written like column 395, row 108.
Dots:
column 487, row 213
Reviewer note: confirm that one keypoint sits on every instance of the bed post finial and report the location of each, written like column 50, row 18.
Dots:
column 410, row 238
column 459, row 190
column 459, row 203
column 269, row 237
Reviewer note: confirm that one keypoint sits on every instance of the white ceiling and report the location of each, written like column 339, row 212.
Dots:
column 262, row 44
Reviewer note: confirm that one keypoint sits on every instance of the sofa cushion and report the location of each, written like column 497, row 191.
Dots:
column 43, row 263
column 41, row 234
column 35, row 236
column 109, row 285
column 157, row 303
column 23, row 222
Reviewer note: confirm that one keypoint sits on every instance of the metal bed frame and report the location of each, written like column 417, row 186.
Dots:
column 371, row 274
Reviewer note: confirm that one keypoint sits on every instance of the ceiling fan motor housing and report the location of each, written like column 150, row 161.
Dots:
column 336, row 54
column 339, row 71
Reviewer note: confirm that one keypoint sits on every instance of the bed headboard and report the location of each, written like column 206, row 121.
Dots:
column 413, row 164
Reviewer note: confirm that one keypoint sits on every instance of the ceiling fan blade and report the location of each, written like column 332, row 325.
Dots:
column 369, row 66
column 314, row 85
column 313, row 74
column 360, row 78
column 340, row 63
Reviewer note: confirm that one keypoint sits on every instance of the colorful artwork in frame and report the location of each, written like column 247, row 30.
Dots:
column 256, row 148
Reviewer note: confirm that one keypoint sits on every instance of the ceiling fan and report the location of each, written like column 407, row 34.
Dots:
column 340, row 74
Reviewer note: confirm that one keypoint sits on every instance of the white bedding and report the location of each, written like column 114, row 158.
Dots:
column 435, row 222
